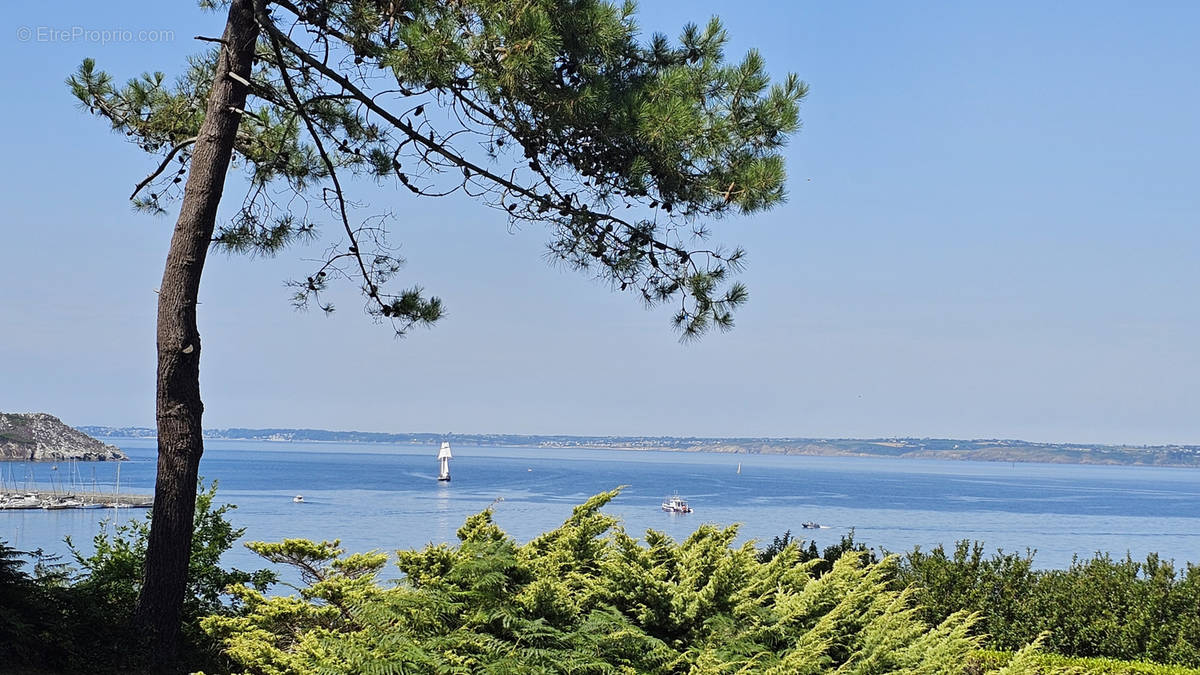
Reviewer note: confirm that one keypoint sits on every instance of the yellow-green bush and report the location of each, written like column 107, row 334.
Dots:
column 984, row 661
column 587, row 598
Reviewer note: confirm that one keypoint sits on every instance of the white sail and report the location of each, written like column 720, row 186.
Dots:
column 444, row 457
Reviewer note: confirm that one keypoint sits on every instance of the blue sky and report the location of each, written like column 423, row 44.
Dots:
column 992, row 231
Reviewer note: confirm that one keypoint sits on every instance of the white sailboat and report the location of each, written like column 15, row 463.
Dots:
column 444, row 458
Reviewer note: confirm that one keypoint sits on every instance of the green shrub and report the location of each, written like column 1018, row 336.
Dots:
column 586, row 598
column 76, row 619
column 985, row 661
column 1100, row 607
column 19, row 597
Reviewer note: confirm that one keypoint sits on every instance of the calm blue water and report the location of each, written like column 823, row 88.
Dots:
column 386, row 497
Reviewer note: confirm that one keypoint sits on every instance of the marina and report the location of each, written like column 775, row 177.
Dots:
column 56, row 489
column 72, row 500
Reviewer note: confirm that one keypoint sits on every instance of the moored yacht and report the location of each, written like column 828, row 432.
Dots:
column 29, row 501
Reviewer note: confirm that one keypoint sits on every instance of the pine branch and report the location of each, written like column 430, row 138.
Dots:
column 163, row 166
column 425, row 312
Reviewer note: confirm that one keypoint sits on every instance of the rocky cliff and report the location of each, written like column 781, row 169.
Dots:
column 40, row 437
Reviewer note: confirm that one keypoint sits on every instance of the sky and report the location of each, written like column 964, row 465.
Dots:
column 991, row 232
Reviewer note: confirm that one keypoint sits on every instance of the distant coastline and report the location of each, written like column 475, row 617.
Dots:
column 984, row 450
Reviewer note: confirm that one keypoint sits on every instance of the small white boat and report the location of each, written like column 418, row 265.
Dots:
column 21, row 502
column 298, row 499
column 810, row 525
column 676, row 504
column 444, row 458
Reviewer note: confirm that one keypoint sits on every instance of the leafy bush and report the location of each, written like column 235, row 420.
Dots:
column 113, row 572
column 1100, row 607
column 826, row 559
column 19, row 598
column 984, row 661
column 111, row 577
column 586, row 598
column 77, row 619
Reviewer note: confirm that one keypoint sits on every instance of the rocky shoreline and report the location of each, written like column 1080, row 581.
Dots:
column 41, row 437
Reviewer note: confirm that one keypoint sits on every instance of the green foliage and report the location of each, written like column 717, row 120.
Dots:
column 984, row 661
column 18, row 596
column 10, row 566
column 44, row 622
column 111, row 576
column 586, row 598
column 76, row 618
column 1096, row 608
column 113, row 572
column 823, row 561
column 554, row 112
column 777, row 546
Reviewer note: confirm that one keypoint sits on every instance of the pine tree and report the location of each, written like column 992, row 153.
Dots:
column 550, row 111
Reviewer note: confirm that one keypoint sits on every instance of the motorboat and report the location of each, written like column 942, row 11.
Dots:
column 810, row 525
column 676, row 504
column 298, row 499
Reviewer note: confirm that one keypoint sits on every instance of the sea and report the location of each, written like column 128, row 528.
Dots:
column 387, row 497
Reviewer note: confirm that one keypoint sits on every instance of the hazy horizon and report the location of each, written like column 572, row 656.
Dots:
column 151, row 427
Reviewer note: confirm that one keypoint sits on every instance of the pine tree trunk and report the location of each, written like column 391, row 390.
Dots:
column 178, row 405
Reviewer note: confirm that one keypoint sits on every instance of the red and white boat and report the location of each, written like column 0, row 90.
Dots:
column 676, row 504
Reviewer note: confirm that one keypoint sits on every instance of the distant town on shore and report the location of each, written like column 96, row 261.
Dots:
column 987, row 450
